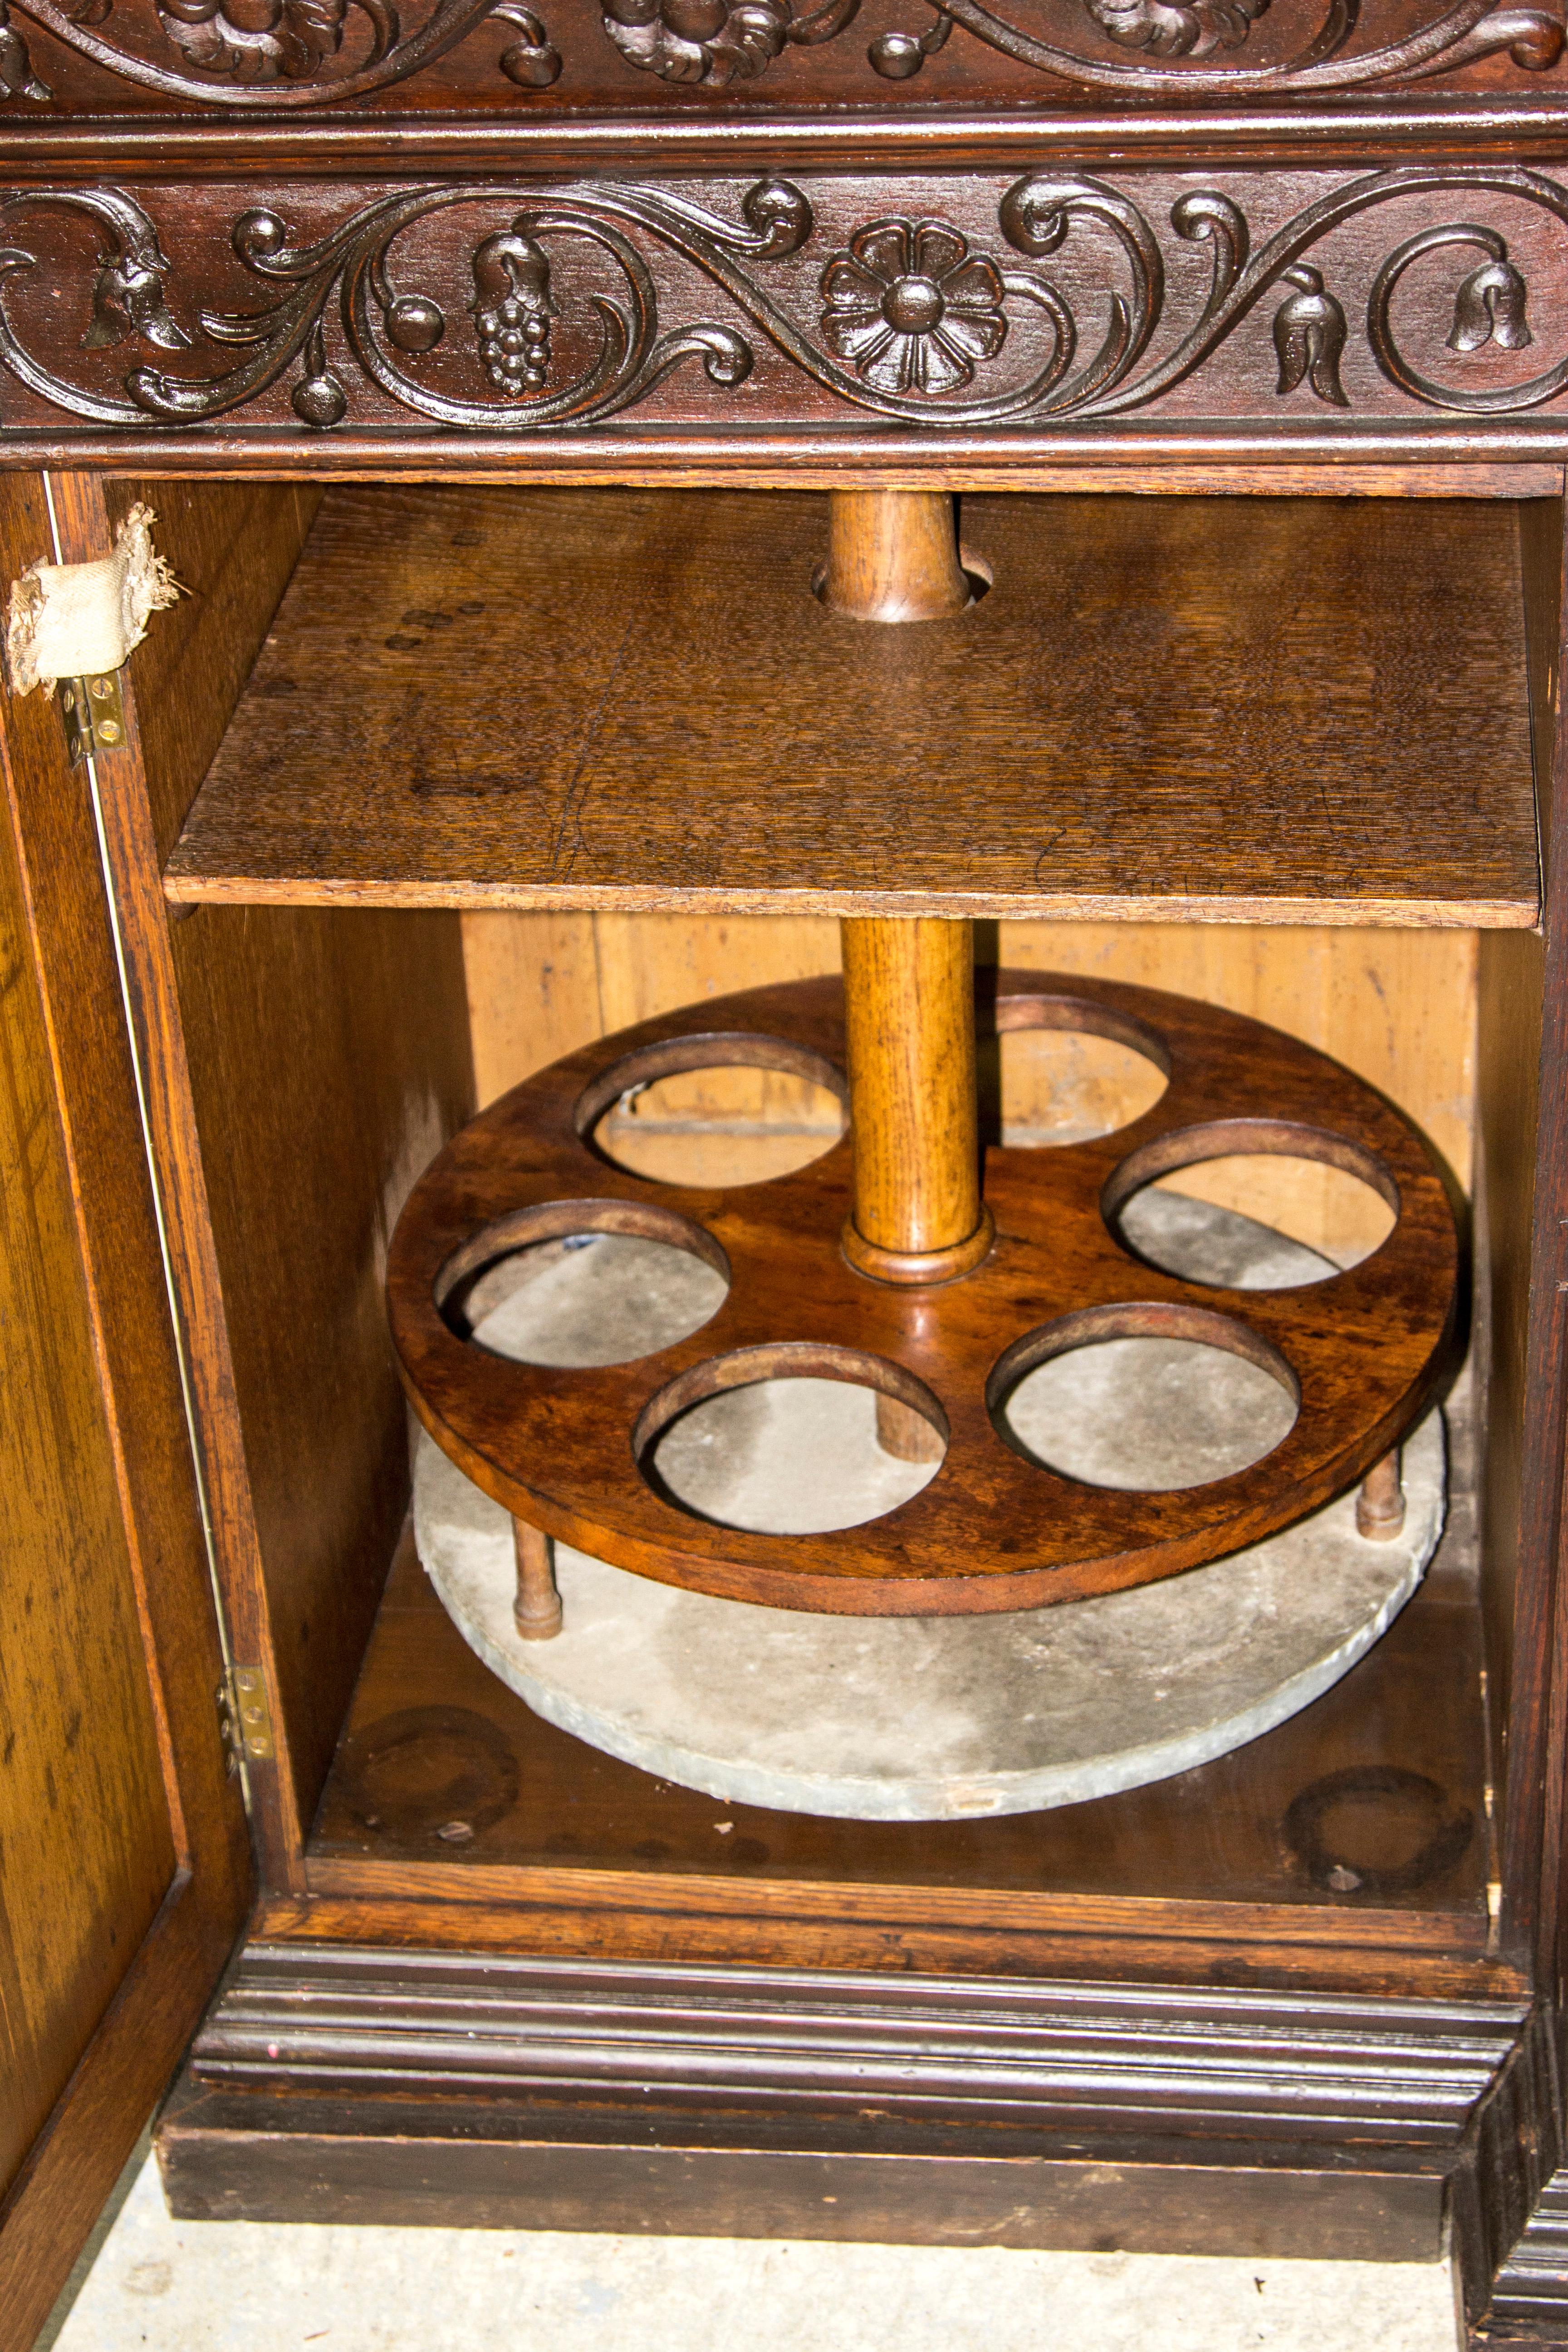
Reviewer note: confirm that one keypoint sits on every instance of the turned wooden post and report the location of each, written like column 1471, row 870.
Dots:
column 892, row 555
column 908, row 983
column 1379, row 1505
column 537, row 1609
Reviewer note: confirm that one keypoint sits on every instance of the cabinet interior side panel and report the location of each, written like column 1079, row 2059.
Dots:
column 329, row 1061
column 233, row 547
column 1511, row 1009
column 1507, row 1103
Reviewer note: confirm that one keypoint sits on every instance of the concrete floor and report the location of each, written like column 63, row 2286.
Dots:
column 158, row 2285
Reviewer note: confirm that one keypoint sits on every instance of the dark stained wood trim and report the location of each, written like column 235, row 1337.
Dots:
column 1250, row 455
column 573, row 2094
column 1532, row 126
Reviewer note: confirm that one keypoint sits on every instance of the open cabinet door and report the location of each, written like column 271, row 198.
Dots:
column 124, row 1860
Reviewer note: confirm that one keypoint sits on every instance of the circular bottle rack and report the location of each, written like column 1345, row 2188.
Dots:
column 569, row 1452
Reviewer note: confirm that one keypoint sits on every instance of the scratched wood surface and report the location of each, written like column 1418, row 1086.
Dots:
column 433, row 1733
column 633, row 700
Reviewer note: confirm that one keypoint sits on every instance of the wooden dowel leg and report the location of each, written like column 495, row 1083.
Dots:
column 1379, row 1505
column 537, row 1608
column 905, row 1433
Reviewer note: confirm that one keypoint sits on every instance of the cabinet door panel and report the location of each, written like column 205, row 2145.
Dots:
column 124, row 1866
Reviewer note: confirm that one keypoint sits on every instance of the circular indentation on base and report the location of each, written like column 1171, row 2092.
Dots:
column 714, row 1111
column 438, row 1772
column 1331, row 1202
column 1063, row 1070
column 1377, row 1831
column 1155, row 1400
column 806, row 1417
column 581, row 1283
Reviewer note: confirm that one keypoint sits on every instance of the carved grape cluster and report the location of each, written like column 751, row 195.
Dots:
column 514, row 347
column 512, row 310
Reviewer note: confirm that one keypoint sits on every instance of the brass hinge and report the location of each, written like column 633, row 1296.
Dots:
column 94, row 715
column 245, row 1717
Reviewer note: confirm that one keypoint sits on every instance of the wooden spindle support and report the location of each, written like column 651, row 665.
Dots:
column 908, row 983
column 892, row 555
column 537, row 1609
column 1379, row 1505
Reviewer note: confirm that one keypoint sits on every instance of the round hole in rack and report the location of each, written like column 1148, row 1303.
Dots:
column 577, row 1284
column 1146, row 1397
column 716, row 1111
column 795, row 1438
column 1063, row 1069
column 1252, row 1205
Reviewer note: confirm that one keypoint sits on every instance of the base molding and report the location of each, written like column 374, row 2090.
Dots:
column 330, row 2083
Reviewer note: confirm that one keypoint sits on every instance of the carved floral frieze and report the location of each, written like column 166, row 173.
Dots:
column 296, row 54
column 1079, row 305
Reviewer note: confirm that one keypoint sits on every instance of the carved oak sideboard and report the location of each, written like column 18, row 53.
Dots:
column 487, row 366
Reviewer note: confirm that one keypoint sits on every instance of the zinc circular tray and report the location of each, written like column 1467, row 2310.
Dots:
column 934, row 1719
column 1359, row 1351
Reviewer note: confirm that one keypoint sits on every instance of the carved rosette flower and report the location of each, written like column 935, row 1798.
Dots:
column 1177, row 28
column 1488, row 308
column 712, row 41
column 512, row 309
column 1309, row 335
column 911, row 308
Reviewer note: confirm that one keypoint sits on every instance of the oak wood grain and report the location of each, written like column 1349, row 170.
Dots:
column 125, row 1865
column 908, row 1036
column 1247, row 744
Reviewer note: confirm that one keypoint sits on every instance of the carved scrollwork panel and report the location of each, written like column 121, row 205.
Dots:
column 295, row 55
column 1050, row 298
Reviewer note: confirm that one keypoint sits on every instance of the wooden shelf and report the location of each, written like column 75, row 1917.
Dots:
column 1219, row 709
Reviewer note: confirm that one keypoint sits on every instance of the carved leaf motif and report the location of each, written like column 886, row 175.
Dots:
column 1309, row 336
column 1177, row 28
column 712, row 41
column 17, row 79
column 292, row 46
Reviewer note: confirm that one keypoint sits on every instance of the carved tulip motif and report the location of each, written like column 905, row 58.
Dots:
column 128, row 294
column 1309, row 335
column 911, row 308
column 1488, row 308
